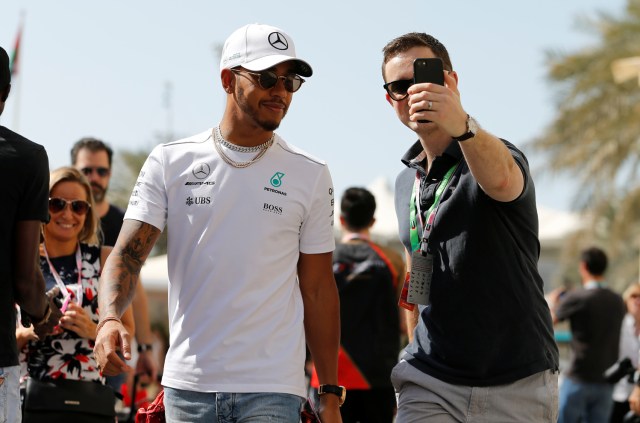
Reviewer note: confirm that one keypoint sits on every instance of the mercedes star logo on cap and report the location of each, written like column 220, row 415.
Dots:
column 278, row 41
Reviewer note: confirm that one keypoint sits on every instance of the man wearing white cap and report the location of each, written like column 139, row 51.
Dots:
column 250, row 235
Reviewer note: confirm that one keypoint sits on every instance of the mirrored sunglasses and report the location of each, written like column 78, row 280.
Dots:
column 268, row 79
column 101, row 171
column 397, row 90
column 80, row 207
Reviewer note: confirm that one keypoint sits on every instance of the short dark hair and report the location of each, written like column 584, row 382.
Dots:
column 357, row 208
column 415, row 39
column 5, row 70
column 92, row 144
column 595, row 260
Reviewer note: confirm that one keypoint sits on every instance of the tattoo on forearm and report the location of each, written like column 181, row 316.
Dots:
column 123, row 270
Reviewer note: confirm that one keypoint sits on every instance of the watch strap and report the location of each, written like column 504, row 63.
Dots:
column 468, row 134
column 339, row 391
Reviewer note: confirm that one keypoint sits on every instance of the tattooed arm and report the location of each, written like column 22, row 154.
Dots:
column 117, row 288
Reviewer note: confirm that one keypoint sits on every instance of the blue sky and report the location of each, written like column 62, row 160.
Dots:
column 101, row 69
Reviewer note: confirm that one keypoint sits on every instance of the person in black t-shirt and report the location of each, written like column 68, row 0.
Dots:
column 482, row 345
column 24, row 170
column 94, row 158
column 595, row 314
column 368, row 276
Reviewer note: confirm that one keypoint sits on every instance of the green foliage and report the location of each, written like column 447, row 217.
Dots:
column 127, row 165
column 595, row 137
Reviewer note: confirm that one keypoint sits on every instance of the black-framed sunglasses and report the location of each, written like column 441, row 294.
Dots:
column 268, row 79
column 397, row 90
column 80, row 207
column 101, row 171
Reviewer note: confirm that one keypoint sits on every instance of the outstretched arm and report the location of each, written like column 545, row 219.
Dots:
column 489, row 160
column 117, row 288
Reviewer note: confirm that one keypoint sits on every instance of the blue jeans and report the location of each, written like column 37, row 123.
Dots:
column 10, row 395
column 584, row 402
column 224, row 407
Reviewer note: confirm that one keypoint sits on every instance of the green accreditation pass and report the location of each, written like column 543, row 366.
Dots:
column 421, row 273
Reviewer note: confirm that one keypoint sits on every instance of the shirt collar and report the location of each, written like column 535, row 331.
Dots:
column 594, row 284
column 415, row 155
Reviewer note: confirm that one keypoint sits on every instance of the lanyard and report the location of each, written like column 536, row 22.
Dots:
column 56, row 276
column 414, row 208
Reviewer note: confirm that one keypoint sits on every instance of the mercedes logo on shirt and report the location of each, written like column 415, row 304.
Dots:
column 201, row 170
column 278, row 41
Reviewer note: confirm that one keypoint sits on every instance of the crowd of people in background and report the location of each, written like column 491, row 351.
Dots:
column 267, row 316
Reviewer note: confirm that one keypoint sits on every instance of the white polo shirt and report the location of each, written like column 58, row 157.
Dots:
column 234, row 235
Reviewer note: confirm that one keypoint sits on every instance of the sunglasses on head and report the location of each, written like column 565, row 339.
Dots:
column 80, row 207
column 268, row 79
column 397, row 90
column 101, row 171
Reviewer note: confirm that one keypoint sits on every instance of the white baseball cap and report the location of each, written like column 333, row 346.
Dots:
column 258, row 47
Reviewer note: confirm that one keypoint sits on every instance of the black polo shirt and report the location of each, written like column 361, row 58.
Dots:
column 488, row 322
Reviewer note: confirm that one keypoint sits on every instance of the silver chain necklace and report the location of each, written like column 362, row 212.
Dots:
column 218, row 141
column 242, row 149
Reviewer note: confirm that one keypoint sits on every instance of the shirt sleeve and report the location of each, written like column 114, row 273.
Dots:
column 148, row 201
column 568, row 306
column 316, row 233
column 35, row 199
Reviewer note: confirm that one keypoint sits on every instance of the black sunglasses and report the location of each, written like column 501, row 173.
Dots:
column 101, row 171
column 80, row 207
column 397, row 90
column 268, row 79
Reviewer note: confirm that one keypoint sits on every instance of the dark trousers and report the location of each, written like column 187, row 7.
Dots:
column 369, row 406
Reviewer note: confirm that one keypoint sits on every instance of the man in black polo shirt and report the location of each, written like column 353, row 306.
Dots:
column 483, row 347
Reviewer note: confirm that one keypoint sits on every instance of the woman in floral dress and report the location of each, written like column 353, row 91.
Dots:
column 70, row 259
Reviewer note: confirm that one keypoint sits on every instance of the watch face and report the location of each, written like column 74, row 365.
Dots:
column 473, row 125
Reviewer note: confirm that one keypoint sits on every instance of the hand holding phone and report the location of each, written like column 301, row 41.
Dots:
column 428, row 70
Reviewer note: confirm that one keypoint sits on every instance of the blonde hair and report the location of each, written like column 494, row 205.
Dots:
column 89, row 233
column 634, row 287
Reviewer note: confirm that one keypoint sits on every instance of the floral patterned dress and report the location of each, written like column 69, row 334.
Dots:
column 68, row 355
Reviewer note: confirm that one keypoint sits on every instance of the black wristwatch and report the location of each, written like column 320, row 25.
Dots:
column 472, row 130
column 339, row 391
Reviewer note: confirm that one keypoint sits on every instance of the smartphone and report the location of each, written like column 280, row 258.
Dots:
column 428, row 70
